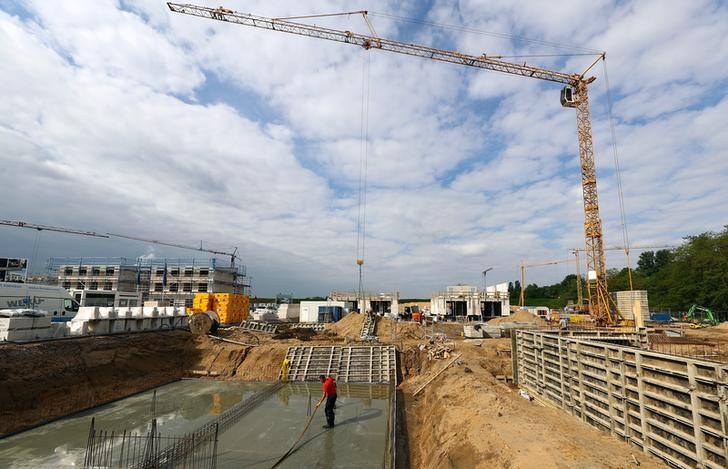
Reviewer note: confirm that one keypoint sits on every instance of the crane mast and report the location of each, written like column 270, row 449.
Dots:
column 575, row 94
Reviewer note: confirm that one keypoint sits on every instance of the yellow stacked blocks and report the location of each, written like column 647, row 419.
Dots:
column 201, row 302
column 231, row 307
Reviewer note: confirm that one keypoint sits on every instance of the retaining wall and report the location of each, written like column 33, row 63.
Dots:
column 673, row 407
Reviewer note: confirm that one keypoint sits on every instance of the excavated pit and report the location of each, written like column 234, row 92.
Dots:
column 463, row 417
column 257, row 440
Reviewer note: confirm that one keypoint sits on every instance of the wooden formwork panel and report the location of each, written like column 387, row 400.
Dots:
column 673, row 407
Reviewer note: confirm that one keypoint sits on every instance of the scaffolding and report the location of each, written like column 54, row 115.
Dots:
column 170, row 280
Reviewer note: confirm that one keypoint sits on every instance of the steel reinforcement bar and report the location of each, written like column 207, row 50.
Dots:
column 673, row 407
column 175, row 453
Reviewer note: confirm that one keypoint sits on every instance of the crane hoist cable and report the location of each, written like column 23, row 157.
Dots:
column 363, row 162
column 618, row 172
column 34, row 255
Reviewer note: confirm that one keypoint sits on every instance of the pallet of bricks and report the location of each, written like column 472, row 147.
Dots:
column 231, row 308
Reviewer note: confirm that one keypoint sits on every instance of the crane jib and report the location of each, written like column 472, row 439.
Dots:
column 371, row 42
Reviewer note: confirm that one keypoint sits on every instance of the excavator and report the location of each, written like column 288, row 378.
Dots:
column 700, row 316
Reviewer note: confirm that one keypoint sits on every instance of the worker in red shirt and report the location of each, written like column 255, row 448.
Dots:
column 330, row 395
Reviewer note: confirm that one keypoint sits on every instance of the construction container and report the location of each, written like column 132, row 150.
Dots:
column 625, row 302
column 660, row 317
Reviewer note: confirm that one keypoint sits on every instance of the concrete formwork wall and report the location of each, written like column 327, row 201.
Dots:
column 673, row 407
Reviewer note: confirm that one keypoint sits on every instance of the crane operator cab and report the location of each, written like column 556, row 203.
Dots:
column 568, row 98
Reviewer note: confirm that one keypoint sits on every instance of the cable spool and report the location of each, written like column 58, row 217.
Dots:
column 202, row 323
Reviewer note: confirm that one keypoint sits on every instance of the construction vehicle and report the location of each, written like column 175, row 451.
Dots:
column 412, row 312
column 700, row 316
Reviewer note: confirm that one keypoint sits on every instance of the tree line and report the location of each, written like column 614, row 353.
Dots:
column 696, row 272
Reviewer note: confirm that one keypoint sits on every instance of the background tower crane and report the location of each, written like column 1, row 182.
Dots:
column 573, row 94
column 39, row 228
column 233, row 255
column 576, row 251
column 33, row 226
column 523, row 274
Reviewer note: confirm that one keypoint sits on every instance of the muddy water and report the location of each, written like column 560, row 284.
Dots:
column 255, row 441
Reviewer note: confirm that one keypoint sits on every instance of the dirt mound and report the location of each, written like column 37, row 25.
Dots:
column 389, row 329
column 723, row 325
column 349, row 325
column 467, row 418
column 521, row 316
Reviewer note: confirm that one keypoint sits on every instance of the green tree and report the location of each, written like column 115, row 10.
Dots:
column 646, row 263
column 662, row 258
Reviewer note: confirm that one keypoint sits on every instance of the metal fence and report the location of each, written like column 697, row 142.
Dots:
column 673, row 407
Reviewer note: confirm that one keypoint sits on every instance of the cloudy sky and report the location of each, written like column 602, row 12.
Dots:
column 121, row 116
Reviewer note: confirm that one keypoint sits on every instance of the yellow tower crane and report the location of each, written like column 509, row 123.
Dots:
column 576, row 251
column 574, row 94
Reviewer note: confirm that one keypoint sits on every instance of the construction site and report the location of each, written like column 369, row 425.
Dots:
column 158, row 362
column 418, row 397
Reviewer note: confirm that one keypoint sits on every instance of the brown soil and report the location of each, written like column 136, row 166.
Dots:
column 348, row 326
column 389, row 330
column 467, row 418
column 464, row 417
column 46, row 380
column 520, row 316
column 41, row 381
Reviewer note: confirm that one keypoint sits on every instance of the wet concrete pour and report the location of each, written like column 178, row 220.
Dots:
column 256, row 441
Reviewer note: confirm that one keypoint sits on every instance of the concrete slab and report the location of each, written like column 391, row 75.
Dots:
column 357, row 440
column 257, row 440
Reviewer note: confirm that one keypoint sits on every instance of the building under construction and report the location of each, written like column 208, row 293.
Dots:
column 467, row 302
column 123, row 282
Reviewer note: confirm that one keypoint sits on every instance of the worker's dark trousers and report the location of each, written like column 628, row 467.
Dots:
column 329, row 410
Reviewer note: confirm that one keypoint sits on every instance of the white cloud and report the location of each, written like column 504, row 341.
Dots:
column 104, row 125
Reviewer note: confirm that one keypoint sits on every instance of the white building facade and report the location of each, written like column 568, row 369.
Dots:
column 467, row 302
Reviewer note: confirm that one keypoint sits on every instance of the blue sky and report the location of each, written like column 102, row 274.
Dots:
column 124, row 117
